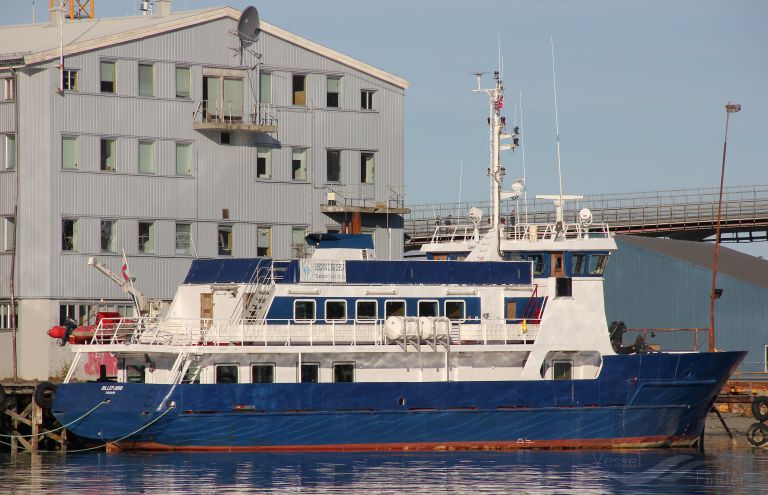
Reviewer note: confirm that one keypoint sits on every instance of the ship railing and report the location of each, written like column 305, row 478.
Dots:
column 458, row 232
column 209, row 332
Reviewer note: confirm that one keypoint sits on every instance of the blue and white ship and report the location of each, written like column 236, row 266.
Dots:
column 498, row 340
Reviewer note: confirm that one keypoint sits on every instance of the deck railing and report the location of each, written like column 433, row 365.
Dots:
column 208, row 332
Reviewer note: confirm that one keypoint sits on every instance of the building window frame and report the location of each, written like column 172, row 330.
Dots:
column 263, row 163
column 183, row 239
column 184, row 160
column 146, row 79
column 146, row 152
column 299, row 90
column 6, row 323
column 262, row 250
column 366, row 99
column 108, row 231
column 8, row 89
column 299, row 168
column 8, row 233
column 9, row 150
column 69, row 234
column 225, row 239
column 70, row 150
column 108, row 76
column 183, row 76
column 70, row 79
column 265, row 90
column 108, row 154
column 333, row 91
column 367, row 167
column 333, row 165
column 147, row 237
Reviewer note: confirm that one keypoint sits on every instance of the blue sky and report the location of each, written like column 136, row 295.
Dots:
column 641, row 84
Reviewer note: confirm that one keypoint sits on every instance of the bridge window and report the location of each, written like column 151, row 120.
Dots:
column 309, row 372
column 263, row 373
column 455, row 310
column 597, row 264
column 343, row 372
column 336, row 310
column 304, row 310
column 562, row 370
column 394, row 308
column 577, row 264
column 366, row 311
column 428, row 308
column 226, row 373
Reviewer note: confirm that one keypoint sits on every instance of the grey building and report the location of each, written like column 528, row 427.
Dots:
column 169, row 138
column 664, row 283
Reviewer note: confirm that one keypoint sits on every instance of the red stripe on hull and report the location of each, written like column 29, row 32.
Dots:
column 595, row 443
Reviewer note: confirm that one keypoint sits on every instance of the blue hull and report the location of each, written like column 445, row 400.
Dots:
column 638, row 400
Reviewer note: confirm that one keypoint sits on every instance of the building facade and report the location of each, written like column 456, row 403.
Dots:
column 169, row 137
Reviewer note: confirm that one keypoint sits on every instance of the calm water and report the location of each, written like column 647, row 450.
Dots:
column 721, row 470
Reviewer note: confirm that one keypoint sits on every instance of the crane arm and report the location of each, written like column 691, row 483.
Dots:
column 141, row 300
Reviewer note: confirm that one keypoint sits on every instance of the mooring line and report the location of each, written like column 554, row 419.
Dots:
column 61, row 427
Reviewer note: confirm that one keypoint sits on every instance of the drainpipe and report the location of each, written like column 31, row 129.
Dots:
column 12, row 280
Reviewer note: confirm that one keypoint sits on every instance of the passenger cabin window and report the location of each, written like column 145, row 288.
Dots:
column 343, row 372
column 226, row 373
column 455, row 310
column 428, row 308
column 366, row 311
column 263, row 373
column 304, row 310
column 394, row 308
column 564, row 287
column 597, row 264
column 309, row 373
column 562, row 370
column 335, row 310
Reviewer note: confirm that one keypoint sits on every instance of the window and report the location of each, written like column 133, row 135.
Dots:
column 8, row 150
column 146, row 157
column 394, row 308
column 304, row 310
column 108, row 77
column 146, row 237
column 343, row 372
column 263, row 373
column 70, row 80
column 298, row 244
column 577, row 264
column 563, row 287
column 333, row 166
column 226, row 373
column 183, row 238
column 265, row 87
column 9, row 233
column 366, row 311
column 146, row 80
column 135, row 373
column 366, row 99
column 264, row 241
column 108, row 154
column 225, row 240
column 8, row 89
column 336, row 310
column 366, row 167
column 108, row 236
column 455, row 310
column 562, row 370
column 81, row 313
column 309, row 372
column 428, row 308
column 223, row 98
column 333, row 91
column 183, row 165
column 182, row 82
column 69, row 234
column 263, row 162
column 6, row 322
column 225, row 138
column 69, row 152
column 537, row 259
column 299, row 164
column 299, row 90
column 597, row 264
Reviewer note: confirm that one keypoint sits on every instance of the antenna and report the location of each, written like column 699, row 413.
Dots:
column 557, row 132
column 525, row 191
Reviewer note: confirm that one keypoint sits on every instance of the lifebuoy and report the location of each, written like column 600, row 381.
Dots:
column 757, row 434
column 760, row 408
column 44, row 393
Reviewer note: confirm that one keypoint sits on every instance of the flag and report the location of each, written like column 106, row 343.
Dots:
column 499, row 104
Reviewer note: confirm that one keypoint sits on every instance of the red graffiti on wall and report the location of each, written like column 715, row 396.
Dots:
column 96, row 359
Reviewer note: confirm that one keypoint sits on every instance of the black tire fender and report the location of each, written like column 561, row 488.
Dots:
column 760, row 408
column 44, row 393
column 757, row 434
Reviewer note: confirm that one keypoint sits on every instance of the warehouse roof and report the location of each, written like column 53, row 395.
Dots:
column 733, row 263
column 34, row 43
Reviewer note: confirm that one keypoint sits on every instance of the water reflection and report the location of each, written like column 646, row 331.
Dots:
column 720, row 470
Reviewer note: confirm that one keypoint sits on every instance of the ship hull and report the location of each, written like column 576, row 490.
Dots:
column 651, row 400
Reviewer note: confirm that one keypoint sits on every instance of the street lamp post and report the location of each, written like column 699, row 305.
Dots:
column 729, row 109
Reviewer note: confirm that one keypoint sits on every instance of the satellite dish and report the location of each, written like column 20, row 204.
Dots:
column 248, row 25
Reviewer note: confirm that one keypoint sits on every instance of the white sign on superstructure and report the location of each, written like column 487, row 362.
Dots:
column 323, row 271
